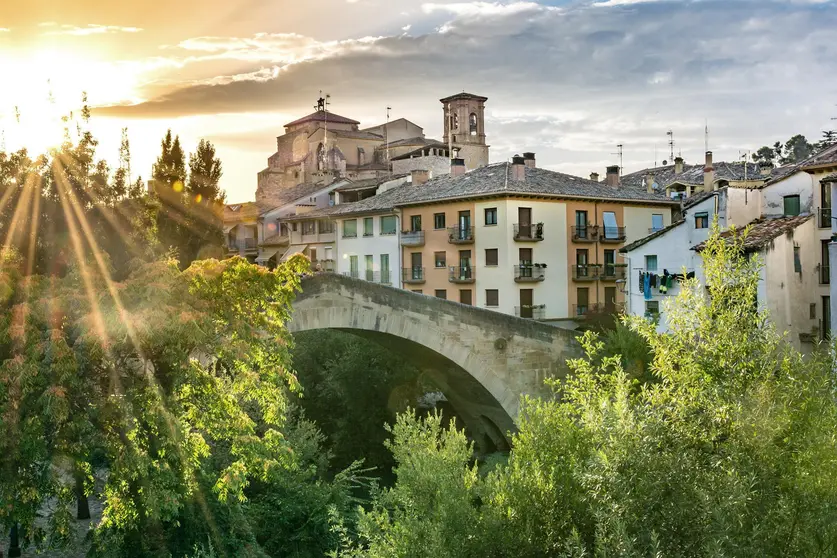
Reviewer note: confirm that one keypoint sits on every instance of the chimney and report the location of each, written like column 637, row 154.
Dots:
column 529, row 159
column 419, row 176
column 678, row 165
column 765, row 168
column 457, row 166
column 518, row 169
column 649, row 182
column 594, row 176
column 612, row 177
column 709, row 174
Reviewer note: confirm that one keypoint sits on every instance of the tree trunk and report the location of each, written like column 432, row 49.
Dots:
column 83, row 508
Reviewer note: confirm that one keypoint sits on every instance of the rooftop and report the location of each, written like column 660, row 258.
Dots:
column 656, row 234
column 418, row 140
column 693, row 174
column 322, row 116
column 463, row 96
column 496, row 179
column 826, row 157
column 762, row 231
column 236, row 212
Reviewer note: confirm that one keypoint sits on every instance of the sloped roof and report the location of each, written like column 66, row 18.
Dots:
column 762, row 231
column 693, row 174
column 418, row 140
column 637, row 243
column 234, row 212
column 277, row 239
column 376, row 204
column 497, row 179
column 463, row 96
column 356, row 134
column 418, row 152
column 825, row 157
column 699, row 197
column 322, row 116
column 830, row 178
column 368, row 183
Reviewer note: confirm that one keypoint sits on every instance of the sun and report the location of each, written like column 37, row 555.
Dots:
column 47, row 88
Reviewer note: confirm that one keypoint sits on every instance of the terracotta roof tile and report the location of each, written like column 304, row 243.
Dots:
column 762, row 231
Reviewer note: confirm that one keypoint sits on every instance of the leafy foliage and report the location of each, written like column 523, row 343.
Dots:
column 796, row 149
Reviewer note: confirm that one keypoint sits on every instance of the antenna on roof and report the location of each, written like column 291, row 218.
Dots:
column 670, row 135
column 386, row 142
column 619, row 154
column 655, row 156
column 706, row 136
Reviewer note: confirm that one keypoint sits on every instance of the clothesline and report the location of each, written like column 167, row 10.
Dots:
column 665, row 281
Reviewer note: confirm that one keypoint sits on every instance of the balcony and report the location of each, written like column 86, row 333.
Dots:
column 585, row 272
column 529, row 273
column 531, row 311
column 586, row 310
column 585, row 233
column 824, row 217
column 413, row 275
column 528, row 233
column 246, row 244
column 412, row 238
column 461, row 274
column 613, row 272
column 612, row 234
column 580, row 310
column 825, row 275
column 461, row 235
column 323, row 266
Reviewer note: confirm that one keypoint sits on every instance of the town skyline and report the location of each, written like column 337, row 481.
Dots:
column 568, row 80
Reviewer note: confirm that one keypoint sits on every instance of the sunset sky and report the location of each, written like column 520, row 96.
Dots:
column 566, row 79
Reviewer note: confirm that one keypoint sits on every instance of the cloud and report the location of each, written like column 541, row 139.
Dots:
column 90, row 29
column 4, row 30
column 568, row 82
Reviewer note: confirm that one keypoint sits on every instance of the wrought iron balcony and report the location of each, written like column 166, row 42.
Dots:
column 461, row 274
column 461, row 235
column 531, row 311
column 529, row 273
column 825, row 275
column 824, row 217
column 413, row 275
column 585, row 272
column 528, row 233
column 612, row 234
column 613, row 272
column 585, row 233
column 412, row 238
column 246, row 244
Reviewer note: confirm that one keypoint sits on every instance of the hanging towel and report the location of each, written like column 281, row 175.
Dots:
column 646, row 287
column 653, row 280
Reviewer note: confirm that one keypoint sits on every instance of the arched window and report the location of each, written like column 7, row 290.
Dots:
column 321, row 158
column 473, row 124
column 455, row 121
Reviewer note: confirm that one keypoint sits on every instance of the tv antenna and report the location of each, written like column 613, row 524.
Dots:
column 670, row 135
column 386, row 141
column 618, row 153
column 706, row 136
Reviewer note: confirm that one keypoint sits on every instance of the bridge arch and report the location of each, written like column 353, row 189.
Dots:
column 483, row 360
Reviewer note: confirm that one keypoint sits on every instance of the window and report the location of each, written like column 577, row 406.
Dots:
column 309, row 227
column 438, row 221
column 791, row 205
column 656, row 221
column 350, row 228
column 353, row 266
column 611, row 229
column 652, row 308
column 610, row 298
column 610, row 263
column 385, row 278
column 826, row 318
column 651, row 263
column 702, row 220
column 465, row 296
column 441, row 293
column 415, row 223
column 368, row 224
column 472, row 123
column 797, row 263
column 582, row 297
column 440, row 259
column 325, row 226
column 329, row 253
column 492, row 297
column 293, row 226
column 491, row 256
column 388, row 224
column 370, row 266
column 491, row 216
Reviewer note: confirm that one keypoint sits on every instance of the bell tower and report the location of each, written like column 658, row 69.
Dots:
column 464, row 128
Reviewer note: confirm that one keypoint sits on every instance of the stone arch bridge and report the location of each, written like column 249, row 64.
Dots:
column 482, row 360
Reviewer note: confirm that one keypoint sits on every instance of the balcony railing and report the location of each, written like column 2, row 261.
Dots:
column 612, row 234
column 528, row 233
column 585, row 272
column 585, row 233
column 580, row 310
column 584, row 310
column 413, row 275
column 461, row 274
column 825, row 275
column 412, row 238
column 382, row 277
column 461, row 235
column 824, row 217
column 244, row 244
column 531, row 311
column 613, row 272
column 529, row 273
column 349, row 234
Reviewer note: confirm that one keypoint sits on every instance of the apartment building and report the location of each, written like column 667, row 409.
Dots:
column 523, row 240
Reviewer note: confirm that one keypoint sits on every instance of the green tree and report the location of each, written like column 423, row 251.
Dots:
column 764, row 155
column 170, row 168
column 829, row 138
column 204, row 173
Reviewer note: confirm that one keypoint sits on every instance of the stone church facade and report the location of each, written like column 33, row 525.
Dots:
column 323, row 146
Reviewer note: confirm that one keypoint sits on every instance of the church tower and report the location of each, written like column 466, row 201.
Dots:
column 464, row 115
